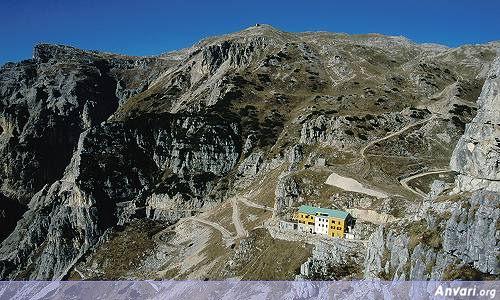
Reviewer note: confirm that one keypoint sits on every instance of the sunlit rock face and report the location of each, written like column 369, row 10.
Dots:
column 477, row 154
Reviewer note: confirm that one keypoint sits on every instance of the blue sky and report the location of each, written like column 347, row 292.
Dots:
column 152, row 27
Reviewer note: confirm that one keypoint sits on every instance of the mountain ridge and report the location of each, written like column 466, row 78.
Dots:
column 262, row 27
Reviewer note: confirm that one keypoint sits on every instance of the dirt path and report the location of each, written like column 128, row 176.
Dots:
column 240, row 229
column 363, row 150
column 404, row 182
column 362, row 156
column 226, row 234
column 247, row 202
column 82, row 277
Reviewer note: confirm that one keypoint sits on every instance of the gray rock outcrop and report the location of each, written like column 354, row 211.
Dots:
column 477, row 155
column 463, row 234
column 47, row 102
column 333, row 260
column 351, row 132
column 286, row 192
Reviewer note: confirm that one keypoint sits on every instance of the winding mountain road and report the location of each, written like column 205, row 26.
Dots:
column 363, row 150
column 350, row 184
column 404, row 181
column 228, row 236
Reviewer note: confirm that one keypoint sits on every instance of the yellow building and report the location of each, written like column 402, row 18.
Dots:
column 336, row 226
column 331, row 222
column 304, row 218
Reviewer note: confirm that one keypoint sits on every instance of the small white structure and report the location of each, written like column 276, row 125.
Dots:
column 349, row 236
column 284, row 225
column 321, row 224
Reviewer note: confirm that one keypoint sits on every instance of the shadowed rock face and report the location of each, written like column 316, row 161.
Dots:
column 46, row 103
column 112, row 165
column 90, row 140
column 10, row 213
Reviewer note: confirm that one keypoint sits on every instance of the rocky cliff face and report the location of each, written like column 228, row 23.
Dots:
column 336, row 261
column 90, row 141
column 477, row 155
column 456, row 237
column 47, row 102
column 115, row 166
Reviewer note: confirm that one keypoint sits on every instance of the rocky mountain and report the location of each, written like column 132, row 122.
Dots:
column 452, row 237
column 179, row 166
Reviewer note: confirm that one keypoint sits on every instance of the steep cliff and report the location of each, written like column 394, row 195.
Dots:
column 114, row 166
column 452, row 240
column 47, row 102
column 477, row 155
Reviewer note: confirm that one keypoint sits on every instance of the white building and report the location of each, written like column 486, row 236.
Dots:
column 321, row 224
